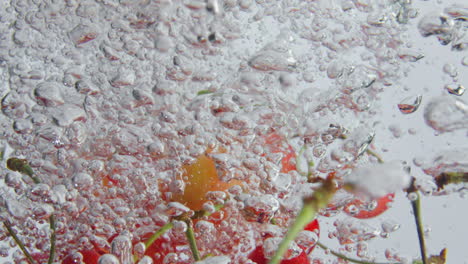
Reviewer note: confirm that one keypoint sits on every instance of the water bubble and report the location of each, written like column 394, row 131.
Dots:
column 389, row 225
column 14, row 105
column 145, row 260
column 270, row 246
column 179, row 226
column 410, row 56
column 335, row 69
column 362, row 249
column 82, row 34
column 124, row 77
column 4, row 251
column 42, row 212
column 464, row 61
column 446, row 114
column 396, row 130
column 272, row 61
column 66, row 114
column 261, row 209
column 215, row 260
column 412, row 196
column 455, row 89
column 450, row 70
column 139, row 250
column 352, row 231
column 176, row 209
column 48, row 94
column 121, row 247
column 307, row 240
column 108, row 259
column 377, row 19
column 40, row 190
column 439, row 25
column 82, row 181
column 17, row 209
column 14, row 180
column 358, row 141
column 171, row 258
column 357, row 78
column 410, row 104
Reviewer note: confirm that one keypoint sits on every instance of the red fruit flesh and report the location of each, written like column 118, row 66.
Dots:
column 258, row 257
column 380, row 208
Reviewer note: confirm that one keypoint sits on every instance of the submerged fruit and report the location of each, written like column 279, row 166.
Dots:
column 199, row 178
column 360, row 209
column 258, row 255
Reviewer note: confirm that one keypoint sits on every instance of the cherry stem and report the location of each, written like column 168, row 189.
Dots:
column 375, row 155
column 191, row 239
column 312, row 205
column 18, row 242
column 158, row 233
column 22, row 166
column 341, row 256
column 168, row 226
column 446, row 178
column 52, row 239
column 416, row 204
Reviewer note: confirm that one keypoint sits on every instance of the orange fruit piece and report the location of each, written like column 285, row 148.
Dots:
column 200, row 177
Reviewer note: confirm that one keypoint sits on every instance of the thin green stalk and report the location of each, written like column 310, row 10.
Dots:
column 375, row 155
column 191, row 239
column 341, row 256
column 52, row 239
column 202, row 213
column 155, row 236
column 305, row 215
column 158, row 233
column 18, row 242
column 416, row 205
column 312, row 205
column 22, row 166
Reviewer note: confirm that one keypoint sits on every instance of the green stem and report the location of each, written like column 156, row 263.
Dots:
column 168, row 226
column 191, row 239
column 305, row 215
column 299, row 160
column 202, row 213
column 416, row 205
column 341, row 256
column 158, row 233
column 52, row 239
column 312, row 205
column 18, row 242
column 375, row 155
column 22, row 166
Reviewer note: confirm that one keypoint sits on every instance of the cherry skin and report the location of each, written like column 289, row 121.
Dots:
column 383, row 203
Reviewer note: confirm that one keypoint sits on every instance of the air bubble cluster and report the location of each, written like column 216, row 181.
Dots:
column 110, row 101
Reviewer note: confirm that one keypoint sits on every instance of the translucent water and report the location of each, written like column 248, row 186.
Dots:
column 112, row 101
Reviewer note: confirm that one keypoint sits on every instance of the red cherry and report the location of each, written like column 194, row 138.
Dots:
column 381, row 207
column 159, row 249
column 312, row 226
column 258, row 257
